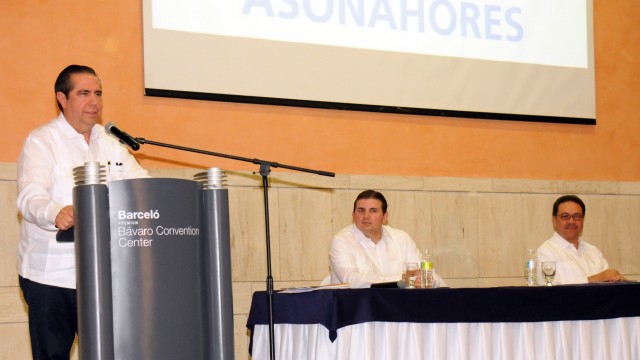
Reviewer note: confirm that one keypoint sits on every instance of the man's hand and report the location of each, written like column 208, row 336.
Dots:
column 64, row 219
column 607, row 276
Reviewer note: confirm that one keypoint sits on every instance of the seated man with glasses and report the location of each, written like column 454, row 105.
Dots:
column 576, row 260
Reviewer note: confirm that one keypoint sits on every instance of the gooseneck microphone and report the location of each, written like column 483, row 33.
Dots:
column 400, row 284
column 122, row 136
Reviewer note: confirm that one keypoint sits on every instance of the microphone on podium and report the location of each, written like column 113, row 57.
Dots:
column 122, row 136
column 400, row 284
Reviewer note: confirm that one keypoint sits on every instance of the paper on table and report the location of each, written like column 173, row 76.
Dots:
column 314, row 288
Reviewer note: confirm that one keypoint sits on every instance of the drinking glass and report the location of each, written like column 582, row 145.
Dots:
column 411, row 273
column 549, row 271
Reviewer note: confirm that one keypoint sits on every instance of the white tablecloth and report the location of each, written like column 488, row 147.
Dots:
column 610, row 339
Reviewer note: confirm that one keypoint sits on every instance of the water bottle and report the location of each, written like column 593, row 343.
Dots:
column 426, row 270
column 530, row 268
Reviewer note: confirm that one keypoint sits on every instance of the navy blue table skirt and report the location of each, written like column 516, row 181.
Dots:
column 339, row 308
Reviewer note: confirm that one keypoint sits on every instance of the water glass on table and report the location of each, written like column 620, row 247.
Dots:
column 411, row 274
column 549, row 271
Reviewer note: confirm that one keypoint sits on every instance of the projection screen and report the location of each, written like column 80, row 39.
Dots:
column 528, row 60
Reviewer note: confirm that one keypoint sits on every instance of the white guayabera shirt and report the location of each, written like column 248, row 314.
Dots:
column 45, row 185
column 573, row 266
column 356, row 260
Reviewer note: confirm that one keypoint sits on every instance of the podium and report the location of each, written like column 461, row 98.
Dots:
column 153, row 267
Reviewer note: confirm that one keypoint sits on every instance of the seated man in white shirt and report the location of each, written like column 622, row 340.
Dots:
column 367, row 251
column 577, row 262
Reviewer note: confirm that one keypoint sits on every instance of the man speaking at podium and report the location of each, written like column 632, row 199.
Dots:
column 45, row 182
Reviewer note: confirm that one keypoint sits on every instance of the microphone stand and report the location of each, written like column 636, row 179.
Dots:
column 265, row 170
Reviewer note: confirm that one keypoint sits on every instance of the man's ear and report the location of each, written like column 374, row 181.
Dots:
column 62, row 99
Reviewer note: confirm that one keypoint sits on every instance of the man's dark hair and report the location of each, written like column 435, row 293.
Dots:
column 568, row 198
column 372, row 194
column 63, row 82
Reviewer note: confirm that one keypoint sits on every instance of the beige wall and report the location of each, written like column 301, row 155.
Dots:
column 477, row 228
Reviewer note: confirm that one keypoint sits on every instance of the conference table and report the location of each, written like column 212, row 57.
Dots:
column 590, row 321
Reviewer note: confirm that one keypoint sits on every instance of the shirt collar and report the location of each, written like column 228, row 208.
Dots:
column 563, row 243
column 363, row 239
column 69, row 132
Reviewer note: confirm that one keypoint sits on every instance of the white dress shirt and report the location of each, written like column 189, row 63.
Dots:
column 45, row 184
column 357, row 260
column 573, row 266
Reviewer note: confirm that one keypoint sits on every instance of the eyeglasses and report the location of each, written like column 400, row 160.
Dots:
column 566, row 216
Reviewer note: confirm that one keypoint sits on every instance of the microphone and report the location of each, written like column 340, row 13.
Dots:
column 122, row 136
column 400, row 284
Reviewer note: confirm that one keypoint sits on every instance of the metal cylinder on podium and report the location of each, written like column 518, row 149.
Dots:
column 93, row 262
column 218, row 262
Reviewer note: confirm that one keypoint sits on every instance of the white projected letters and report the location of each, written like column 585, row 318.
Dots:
column 546, row 32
